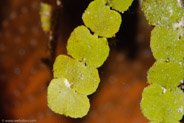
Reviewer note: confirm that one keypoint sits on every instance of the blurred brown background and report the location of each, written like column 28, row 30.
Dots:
column 25, row 72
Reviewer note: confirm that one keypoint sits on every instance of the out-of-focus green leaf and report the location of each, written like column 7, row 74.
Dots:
column 45, row 16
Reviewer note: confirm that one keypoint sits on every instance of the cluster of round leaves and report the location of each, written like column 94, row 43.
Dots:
column 76, row 78
column 163, row 101
column 73, row 81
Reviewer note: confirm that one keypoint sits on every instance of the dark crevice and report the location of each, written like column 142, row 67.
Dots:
column 74, row 10
column 125, row 38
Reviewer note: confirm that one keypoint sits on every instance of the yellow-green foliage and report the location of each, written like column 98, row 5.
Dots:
column 88, row 48
column 168, row 75
column 163, row 12
column 166, row 44
column 162, row 105
column 84, row 79
column 101, row 20
column 119, row 5
column 163, row 101
column 45, row 16
column 64, row 100
column 77, row 77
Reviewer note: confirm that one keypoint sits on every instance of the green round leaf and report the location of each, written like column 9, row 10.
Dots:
column 64, row 100
column 160, row 105
column 162, row 12
column 83, row 79
column 120, row 5
column 101, row 20
column 166, row 44
column 87, row 48
column 169, row 75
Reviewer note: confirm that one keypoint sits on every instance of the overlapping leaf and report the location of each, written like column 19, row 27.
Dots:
column 163, row 12
column 169, row 75
column 161, row 105
column 166, row 44
column 84, row 79
column 62, row 99
column 87, row 48
column 101, row 20
column 120, row 5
